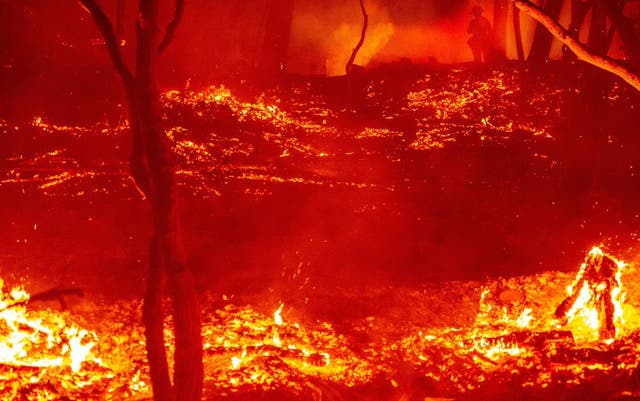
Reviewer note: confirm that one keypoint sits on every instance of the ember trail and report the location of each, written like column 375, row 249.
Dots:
column 363, row 200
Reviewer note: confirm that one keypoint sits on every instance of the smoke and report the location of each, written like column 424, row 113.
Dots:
column 323, row 35
column 346, row 35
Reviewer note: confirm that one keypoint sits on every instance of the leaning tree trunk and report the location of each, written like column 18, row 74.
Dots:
column 152, row 167
column 542, row 39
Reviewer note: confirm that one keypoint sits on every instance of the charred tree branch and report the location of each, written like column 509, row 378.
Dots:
column 54, row 294
column 365, row 23
column 106, row 29
column 575, row 46
column 173, row 26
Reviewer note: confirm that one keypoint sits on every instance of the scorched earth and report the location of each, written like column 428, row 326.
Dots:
column 412, row 246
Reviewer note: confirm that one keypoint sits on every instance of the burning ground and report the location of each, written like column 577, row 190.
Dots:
column 460, row 340
column 340, row 254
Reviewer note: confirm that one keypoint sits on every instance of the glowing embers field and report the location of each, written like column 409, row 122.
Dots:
column 292, row 136
column 473, row 137
column 455, row 339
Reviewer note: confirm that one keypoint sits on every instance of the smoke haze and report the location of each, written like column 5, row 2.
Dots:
column 323, row 36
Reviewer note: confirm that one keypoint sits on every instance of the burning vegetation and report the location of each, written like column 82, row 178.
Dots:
column 401, row 233
column 460, row 340
column 462, row 140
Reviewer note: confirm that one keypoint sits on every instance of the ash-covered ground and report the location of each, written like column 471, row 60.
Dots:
column 437, row 180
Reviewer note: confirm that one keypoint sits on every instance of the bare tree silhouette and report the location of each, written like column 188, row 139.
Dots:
column 152, row 167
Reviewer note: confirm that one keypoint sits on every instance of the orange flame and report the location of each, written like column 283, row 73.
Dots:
column 38, row 340
column 585, row 317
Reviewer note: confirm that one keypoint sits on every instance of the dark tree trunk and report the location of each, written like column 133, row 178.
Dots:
column 518, row 33
column 120, row 7
column 168, row 258
column 597, row 41
column 500, row 13
column 542, row 39
column 363, row 33
column 355, row 76
column 275, row 38
column 152, row 167
column 579, row 10
column 625, row 28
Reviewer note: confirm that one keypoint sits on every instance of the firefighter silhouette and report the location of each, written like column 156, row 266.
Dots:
column 481, row 40
column 598, row 273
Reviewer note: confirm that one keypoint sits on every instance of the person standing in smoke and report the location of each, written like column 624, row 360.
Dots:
column 480, row 42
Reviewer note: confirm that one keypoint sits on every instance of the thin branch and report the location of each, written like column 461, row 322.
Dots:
column 361, row 41
column 173, row 26
column 578, row 48
column 54, row 294
column 106, row 29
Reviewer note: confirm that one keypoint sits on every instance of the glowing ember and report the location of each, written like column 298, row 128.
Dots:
column 267, row 353
column 221, row 138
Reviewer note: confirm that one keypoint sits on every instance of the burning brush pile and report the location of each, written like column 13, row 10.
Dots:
column 462, row 340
